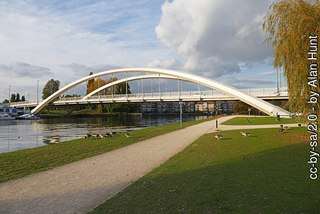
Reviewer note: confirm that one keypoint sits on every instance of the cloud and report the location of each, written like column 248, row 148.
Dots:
column 167, row 64
column 84, row 70
column 81, row 34
column 267, row 73
column 215, row 36
column 249, row 82
column 21, row 69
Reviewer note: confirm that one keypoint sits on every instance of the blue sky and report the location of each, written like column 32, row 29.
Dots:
column 65, row 40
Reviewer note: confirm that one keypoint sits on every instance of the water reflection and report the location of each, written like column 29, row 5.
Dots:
column 22, row 134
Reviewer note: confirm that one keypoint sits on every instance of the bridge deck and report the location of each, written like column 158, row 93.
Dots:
column 190, row 96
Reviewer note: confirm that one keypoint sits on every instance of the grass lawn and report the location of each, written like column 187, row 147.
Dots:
column 24, row 162
column 264, row 173
column 259, row 121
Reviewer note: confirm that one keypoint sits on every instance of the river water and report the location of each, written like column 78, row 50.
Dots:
column 22, row 134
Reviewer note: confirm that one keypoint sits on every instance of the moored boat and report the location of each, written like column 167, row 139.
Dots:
column 27, row 117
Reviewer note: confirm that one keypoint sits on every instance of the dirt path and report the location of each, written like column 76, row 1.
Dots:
column 83, row 185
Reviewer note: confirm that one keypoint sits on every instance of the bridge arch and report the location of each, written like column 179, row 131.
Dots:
column 152, row 76
column 260, row 104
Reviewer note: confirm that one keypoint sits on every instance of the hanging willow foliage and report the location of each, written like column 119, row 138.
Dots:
column 289, row 24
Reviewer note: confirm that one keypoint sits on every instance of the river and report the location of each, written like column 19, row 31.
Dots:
column 22, row 134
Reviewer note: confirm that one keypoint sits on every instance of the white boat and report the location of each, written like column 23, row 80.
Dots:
column 27, row 117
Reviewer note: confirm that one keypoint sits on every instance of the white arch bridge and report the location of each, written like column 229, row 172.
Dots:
column 225, row 92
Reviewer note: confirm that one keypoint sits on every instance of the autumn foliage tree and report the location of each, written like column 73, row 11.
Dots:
column 289, row 24
column 121, row 88
column 95, row 84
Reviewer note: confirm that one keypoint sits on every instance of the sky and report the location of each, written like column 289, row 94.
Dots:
column 65, row 40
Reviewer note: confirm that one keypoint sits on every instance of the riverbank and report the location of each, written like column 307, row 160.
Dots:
column 92, row 113
column 86, row 113
column 25, row 162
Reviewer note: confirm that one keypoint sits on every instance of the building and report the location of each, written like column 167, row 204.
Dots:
column 166, row 107
column 225, row 107
column 8, row 110
column 206, row 107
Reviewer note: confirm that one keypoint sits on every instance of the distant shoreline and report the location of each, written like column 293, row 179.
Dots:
column 59, row 115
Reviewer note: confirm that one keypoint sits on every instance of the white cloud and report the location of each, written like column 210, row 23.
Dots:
column 84, row 70
column 20, row 69
column 53, row 34
column 167, row 64
column 215, row 37
column 267, row 73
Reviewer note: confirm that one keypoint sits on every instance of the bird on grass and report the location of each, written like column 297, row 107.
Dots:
column 281, row 128
column 245, row 134
column 112, row 133
column 99, row 136
column 218, row 136
column 107, row 135
column 127, row 135
column 88, row 136
column 51, row 140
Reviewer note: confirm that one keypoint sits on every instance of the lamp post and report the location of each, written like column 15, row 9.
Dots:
column 9, row 95
column 180, row 103
column 249, row 110
column 37, row 92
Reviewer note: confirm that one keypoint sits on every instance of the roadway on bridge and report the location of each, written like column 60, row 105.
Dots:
column 81, row 186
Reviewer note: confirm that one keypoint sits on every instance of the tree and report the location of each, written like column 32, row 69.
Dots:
column 18, row 97
column 289, row 25
column 89, row 83
column 243, row 108
column 50, row 87
column 94, row 84
column 5, row 101
column 13, row 98
column 119, row 88
column 23, row 98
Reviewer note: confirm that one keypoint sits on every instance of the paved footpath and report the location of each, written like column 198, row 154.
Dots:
column 83, row 185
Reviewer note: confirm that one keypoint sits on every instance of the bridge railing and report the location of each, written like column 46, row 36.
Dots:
column 202, row 94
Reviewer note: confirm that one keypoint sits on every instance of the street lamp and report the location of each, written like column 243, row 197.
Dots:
column 180, row 104
column 37, row 92
column 9, row 95
column 249, row 110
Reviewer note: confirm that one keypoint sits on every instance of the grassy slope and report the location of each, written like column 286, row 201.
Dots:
column 265, row 173
column 24, row 162
column 259, row 121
